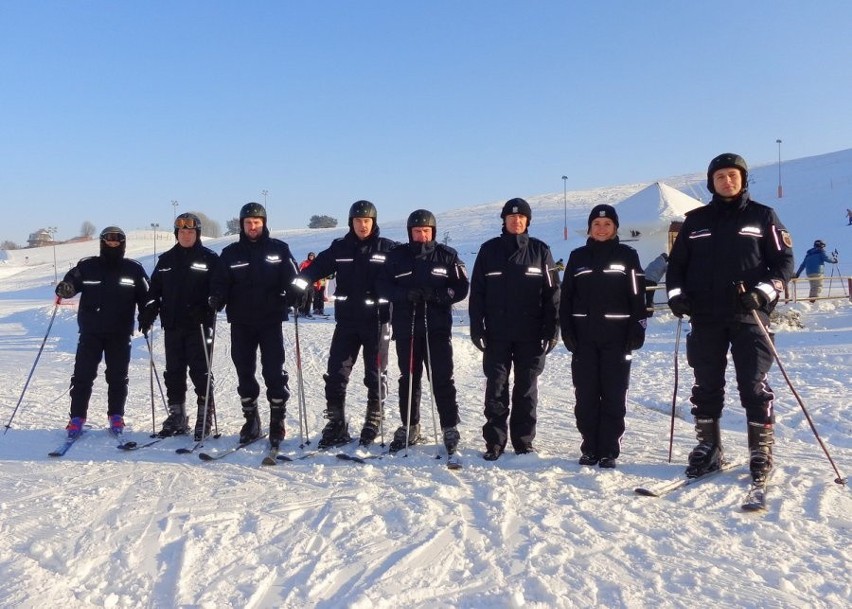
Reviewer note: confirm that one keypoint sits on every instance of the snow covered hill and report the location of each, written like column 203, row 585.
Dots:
column 151, row 528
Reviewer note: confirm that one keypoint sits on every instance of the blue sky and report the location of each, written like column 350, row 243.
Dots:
column 111, row 110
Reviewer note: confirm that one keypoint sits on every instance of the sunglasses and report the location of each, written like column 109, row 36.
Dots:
column 113, row 237
column 186, row 223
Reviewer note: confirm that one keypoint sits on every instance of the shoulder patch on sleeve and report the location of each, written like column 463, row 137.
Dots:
column 786, row 238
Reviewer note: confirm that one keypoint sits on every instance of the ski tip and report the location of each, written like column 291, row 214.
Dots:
column 205, row 457
column 183, row 451
column 127, row 445
column 283, row 458
column 645, row 492
column 269, row 461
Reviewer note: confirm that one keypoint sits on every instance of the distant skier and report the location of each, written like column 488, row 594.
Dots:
column 654, row 272
column 111, row 289
column 814, row 267
column 514, row 307
column 305, row 310
column 849, row 216
column 729, row 242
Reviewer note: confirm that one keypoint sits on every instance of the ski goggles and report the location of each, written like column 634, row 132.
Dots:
column 113, row 237
column 186, row 223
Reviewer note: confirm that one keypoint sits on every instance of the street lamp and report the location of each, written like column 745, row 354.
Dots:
column 52, row 232
column 154, row 227
column 264, row 193
column 780, row 190
column 565, row 204
column 175, row 205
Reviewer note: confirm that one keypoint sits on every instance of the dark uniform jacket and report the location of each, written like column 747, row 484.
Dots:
column 432, row 266
column 110, row 292
column 723, row 243
column 603, row 293
column 514, row 290
column 252, row 279
column 356, row 265
column 180, row 285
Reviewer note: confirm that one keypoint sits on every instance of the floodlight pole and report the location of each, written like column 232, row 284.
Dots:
column 780, row 190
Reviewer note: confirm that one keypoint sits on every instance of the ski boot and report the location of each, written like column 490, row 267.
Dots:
column 761, row 437
column 203, row 425
column 371, row 424
column 116, row 424
column 251, row 428
column 335, row 433
column 451, row 439
column 405, row 436
column 707, row 455
column 177, row 423
column 277, row 412
column 75, row 427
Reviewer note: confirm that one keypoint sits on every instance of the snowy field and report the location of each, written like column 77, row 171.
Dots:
column 104, row 528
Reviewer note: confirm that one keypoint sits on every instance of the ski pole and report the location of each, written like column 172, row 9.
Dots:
column 431, row 382
column 300, row 381
column 151, row 384
column 156, row 374
column 674, row 393
column 38, row 355
column 840, row 479
column 379, row 371
column 410, row 375
column 208, row 357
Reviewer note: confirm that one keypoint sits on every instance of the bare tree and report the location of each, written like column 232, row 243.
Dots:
column 87, row 229
column 209, row 228
column 9, row 245
column 233, row 226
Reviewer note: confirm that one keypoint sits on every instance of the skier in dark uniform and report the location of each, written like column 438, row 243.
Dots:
column 251, row 281
column 356, row 259
column 424, row 277
column 602, row 315
column 111, row 289
column 180, row 287
column 514, row 306
column 733, row 257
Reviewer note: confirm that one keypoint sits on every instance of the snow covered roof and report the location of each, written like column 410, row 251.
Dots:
column 654, row 207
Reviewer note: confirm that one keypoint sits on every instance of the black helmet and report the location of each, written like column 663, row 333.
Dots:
column 113, row 233
column 723, row 161
column 819, row 243
column 253, row 210
column 363, row 209
column 422, row 217
column 188, row 220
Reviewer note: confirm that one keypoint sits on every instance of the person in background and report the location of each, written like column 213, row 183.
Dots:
column 654, row 272
column 602, row 317
column 180, row 287
column 814, row 267
column 356, row 260
column 422, row 280
column 305, row 310
column 251, row 283
column 729, row 263
column 514, row 307
column 111, row 289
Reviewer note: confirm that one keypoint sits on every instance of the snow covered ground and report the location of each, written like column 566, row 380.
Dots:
column 151, row 528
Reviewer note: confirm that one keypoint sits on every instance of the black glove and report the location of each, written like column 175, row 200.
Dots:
column 680, row 305
column 65, row 290
column 296, row 299
column 215, row 303
column 548, row 344
column 636, row 335
column 147, row 317
column 478, row 342
column 569, row 341
column 441, row 296
column 199, row 314
column 415, row 295
column 752, row 300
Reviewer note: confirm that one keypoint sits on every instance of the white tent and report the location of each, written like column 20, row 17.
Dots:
column 645, row 217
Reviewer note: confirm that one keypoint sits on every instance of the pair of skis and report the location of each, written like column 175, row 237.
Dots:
column 754, row 501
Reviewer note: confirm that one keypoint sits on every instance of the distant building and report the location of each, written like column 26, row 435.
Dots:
column 40, row 238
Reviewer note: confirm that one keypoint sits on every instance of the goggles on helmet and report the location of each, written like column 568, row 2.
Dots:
column 186, row 223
